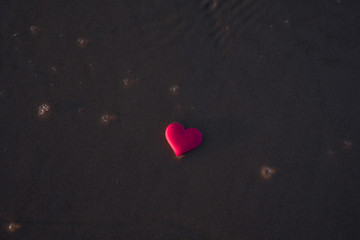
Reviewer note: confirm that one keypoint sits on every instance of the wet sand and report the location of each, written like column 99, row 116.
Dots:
column 88, row 88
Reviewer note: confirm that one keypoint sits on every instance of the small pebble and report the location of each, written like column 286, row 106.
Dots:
column 347, row 144
column 174, row 89
column 34, row 29
column 44, row 110
column 267, row 172
column 287, row 23
column 2, row 94
column 82, row 42
column 107, row 118
column 53, row 69
column 12, row 227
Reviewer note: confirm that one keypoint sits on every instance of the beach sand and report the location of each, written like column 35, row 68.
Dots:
column 87, row 89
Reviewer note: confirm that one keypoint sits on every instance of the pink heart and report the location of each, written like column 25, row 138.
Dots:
column 181, row 140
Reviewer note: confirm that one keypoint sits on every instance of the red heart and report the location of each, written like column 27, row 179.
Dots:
column 181, row 140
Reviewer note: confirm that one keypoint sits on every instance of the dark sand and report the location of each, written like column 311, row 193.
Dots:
column 269, row 83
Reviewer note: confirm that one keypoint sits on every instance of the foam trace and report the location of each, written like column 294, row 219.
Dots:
column 229, row 18
column 218, row 19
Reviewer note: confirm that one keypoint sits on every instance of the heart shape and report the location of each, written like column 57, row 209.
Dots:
column 181, row 140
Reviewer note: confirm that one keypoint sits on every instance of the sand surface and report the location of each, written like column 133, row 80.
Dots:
column 87, row 89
